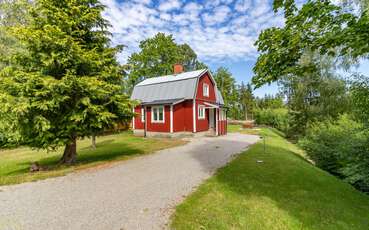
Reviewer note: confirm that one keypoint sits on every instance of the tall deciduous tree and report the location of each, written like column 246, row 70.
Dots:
column 319, row 26
column 67, row 84
column 157, row 57
column 227, row 86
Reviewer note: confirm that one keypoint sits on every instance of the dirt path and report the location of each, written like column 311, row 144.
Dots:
column 135, row 194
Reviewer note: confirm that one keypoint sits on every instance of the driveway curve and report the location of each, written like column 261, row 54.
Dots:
column 135, row 194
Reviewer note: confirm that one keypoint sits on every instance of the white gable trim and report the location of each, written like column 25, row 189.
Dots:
column 171, row 118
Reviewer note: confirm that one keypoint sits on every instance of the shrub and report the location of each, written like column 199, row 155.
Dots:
column 277, row 118
column 340, row 147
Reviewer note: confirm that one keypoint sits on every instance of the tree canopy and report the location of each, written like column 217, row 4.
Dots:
column 67, row 84
column 157, row 57
column 318, row 26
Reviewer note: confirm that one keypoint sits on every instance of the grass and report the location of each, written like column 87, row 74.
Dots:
column 283, row 192
column 239, row 129
column 15, row 163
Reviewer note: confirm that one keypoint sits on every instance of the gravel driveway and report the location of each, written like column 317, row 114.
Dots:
column 134, row 194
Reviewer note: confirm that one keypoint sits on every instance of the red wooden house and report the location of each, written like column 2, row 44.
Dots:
column 179, row 104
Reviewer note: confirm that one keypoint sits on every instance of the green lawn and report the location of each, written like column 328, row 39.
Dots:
column 15, row 163
column 283, row 192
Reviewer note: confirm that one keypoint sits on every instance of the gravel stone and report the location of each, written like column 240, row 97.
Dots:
column 140, row 193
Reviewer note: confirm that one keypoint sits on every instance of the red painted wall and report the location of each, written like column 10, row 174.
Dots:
column 182, row 117
column 159, row 127
column 202, row 124
column 179, row 117
column 205, row 79
column 188, row 107
column 137, row 120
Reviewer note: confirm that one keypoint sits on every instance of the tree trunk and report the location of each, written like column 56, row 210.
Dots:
column 93, row 141
column 70, row 153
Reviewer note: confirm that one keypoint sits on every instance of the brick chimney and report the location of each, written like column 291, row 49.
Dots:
column 177, row 68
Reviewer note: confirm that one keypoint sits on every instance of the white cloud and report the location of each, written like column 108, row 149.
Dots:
column 216, row 30
column 218, row 15
column 243, row 5
column 169, row 5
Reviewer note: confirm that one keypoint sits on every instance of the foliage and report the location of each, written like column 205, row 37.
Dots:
column 360, row 98
column 269, row 102
column 314, row 96
column 68, row 83
column 157, row 57
column 283, row 192
column 340, row 147
column 246, row 100
column 13, row 13
column 277, row 118
column 319, row 26
column 227, row 86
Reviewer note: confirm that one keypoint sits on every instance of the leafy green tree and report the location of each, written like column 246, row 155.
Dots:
column 68, row 83
column 269, row 102
column 340, row 147
column 12, row 13
column 227, row 86
column 157, row 57
column 314, row 96
column 360, row 97
column 319, row 26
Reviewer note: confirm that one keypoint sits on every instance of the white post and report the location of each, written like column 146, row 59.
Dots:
column 216, row 122
column 171, row 118
column 194, row 115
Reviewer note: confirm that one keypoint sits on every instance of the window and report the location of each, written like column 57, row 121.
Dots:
column 201, row 112
column 157, row 114
column 205, row 90
column 223, row 116
column 142, row 115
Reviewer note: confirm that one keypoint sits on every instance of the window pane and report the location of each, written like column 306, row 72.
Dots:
column 155, row 111
column 161, row 114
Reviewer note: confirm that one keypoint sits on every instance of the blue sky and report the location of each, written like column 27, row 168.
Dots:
column 222, row 32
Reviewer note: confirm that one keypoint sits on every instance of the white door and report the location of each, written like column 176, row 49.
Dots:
column 211, row 119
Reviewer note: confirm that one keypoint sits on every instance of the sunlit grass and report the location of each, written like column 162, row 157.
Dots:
column 15, row 163
column 285, row 191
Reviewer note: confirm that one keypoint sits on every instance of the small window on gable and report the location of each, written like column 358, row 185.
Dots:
column 201, row 112
column 205, row 90
column 142, row 115
column 157, row 114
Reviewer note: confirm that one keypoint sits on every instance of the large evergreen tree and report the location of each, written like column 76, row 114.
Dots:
column 246, row 100
column 67, row 84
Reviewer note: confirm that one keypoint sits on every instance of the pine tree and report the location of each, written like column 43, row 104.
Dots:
column 67, row 83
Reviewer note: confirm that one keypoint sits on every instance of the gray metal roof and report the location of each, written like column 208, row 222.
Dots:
column 171, row 87
column 164, row 102
column 219, row 97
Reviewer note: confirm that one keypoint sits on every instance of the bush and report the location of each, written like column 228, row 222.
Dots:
column 277, row 118
column 342, row 148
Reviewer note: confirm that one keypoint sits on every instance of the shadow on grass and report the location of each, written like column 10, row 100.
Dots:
column 105, row 151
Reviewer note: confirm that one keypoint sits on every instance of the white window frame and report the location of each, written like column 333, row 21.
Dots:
column 143, row 115
column 205, row 90
column 201, row 116
column 157, row 115
column 222, row 115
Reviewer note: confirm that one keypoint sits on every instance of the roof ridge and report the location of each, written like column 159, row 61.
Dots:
column 171, row 78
